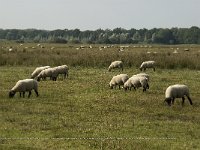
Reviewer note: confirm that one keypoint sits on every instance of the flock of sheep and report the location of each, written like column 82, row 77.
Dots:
column 27, row 85
column 142, row 80
column 136, row 81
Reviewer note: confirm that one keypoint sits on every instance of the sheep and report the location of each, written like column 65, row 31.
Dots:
column 38, row 70
column 177, row 91
column 136, row 82
column 62, row 70
column 118, row 80
column 147, row 64
column 144, row 75
column 49, row 72
column 22, row 86
column 115, row 64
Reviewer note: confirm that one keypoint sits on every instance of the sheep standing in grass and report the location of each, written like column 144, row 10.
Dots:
column 115, row 64
column 38, row 70
column 147, row 64
column 22, row 86
column 144, row 75
column 136, row 82
column 63, row 70
column 177, row 91
column 52, row 73
column 118, row 80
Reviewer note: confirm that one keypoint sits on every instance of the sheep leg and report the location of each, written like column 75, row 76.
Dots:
column 29, row 94
column 23, row 94
column 183, row 100
column 144, row 69
column 172, row 101
column 65, row 75
column 189, row 100
column 154, row 69
column 147, row 85
column 144, row 89
column 20, row 94
column 119, row 86
column 36, row 93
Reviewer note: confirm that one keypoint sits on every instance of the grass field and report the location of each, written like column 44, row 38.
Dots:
column 81, row 112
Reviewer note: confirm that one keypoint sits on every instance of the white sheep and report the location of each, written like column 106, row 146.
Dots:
column 144, row 75
column 49, row 72
column 147, row 64
column 115, row 64
column 118, row 80
column 62, row 70
column 136, row 82
column 177, row 91
column 22, row 86
column 38, row 70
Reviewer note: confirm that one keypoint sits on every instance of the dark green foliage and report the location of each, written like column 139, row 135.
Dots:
column 115, row 36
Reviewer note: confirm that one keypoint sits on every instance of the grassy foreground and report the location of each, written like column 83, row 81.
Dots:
column 81, row 112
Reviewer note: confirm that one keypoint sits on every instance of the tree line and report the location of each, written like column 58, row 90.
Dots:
column 107, row 36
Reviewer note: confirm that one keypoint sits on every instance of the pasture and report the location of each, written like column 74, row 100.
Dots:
column 81, row 112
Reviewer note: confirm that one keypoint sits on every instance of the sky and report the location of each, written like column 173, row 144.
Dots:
column 96, row 14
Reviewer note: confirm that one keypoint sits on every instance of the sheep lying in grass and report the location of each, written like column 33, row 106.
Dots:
column 115, row 64
column 38, row 70
column 147, row 64
column 177, row 91
column 118, row 80
column 136, row 82
column 22, row 86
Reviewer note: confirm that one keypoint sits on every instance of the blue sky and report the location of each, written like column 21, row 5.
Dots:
column 95, row 14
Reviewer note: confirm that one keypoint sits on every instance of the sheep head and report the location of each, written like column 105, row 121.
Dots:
column 168, row 100
column 11, row 94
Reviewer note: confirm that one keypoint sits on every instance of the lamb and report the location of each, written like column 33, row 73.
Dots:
column 115, row 64
column 37, row 71
column 147, row 64
column 118, row 80
column 136, row 82
column 177, row 91
column 49, row 72
column 22, row 86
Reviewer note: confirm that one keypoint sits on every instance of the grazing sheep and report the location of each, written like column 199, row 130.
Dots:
column 147, row 64
column 118, row 80
column 136, row 82
column 49, row 72
column 177, row 91
column 38, row 70
column 22, row 86
column 144, row 75
column 115, row 64
column 63, row 70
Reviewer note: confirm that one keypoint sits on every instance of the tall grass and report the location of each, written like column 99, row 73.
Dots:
column 68, row 54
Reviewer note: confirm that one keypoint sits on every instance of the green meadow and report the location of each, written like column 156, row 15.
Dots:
column 82, row 112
